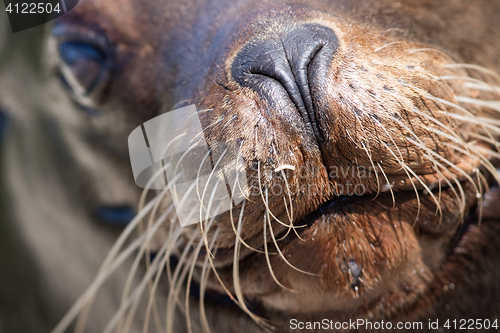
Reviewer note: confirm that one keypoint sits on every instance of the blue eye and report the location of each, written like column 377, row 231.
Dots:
column 82, row 66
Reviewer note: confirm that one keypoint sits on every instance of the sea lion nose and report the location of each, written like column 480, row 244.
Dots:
column 295, row 60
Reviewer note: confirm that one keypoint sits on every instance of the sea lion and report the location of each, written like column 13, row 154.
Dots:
column 369, row 134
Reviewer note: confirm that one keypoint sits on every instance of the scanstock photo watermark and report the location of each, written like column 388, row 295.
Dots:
column 346, row 180
column 170, row 152
column 400, row 326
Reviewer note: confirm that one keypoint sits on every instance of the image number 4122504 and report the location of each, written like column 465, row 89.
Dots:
column 25, row 14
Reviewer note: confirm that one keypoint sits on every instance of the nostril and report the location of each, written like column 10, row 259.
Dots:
column 291, row 60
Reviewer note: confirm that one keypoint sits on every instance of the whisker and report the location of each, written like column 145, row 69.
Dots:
column 166, row 255
column 193, row 263
column 236, row 276
column 289, row 213
column 461, row 141
column 202, row 199
column 429, row 49
column 404, row 167
column 178, row 277
column 482, row 69
column 386, row 45
column 374, row 168
column 110, row 263
column 231, row 217
column 133, row 296
column 482, row 138
column 490, row 124
column 280, row 169
column 389, row 185
column 445, row 160
column 279, row 250
column 268, row 260
column 472, row 83
column 467, row 112
column 423, row 146
column 143, row 251
column 494, row 105
column 485, row 162
column 266, row 204
column 488, row 151
column 203, row 285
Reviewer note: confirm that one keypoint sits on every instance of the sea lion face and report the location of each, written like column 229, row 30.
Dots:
column 368, row 131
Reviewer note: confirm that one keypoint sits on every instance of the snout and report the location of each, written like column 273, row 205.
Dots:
column 339, row 130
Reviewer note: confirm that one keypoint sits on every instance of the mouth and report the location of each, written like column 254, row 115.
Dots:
column 425, row 229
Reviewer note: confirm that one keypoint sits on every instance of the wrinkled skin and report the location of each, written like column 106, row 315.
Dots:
column 380, row 99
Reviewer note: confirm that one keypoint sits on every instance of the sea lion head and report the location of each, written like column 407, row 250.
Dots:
column 368, row 131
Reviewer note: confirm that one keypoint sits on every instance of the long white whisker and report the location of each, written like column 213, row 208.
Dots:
column 266, row 204
column 484, row 70
column 164, row 253
column 177, row 279
column 494, row 105
column 236, row 276
column 281, row 253
column 144, row 249
column 203, row 284
column 167, row 252
column 111, row 263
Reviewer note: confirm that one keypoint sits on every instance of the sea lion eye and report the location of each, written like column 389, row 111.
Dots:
column 82, row 65
column 84, row 62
